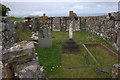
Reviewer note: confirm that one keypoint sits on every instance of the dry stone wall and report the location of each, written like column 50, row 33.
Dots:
column 7, row 33
column 104, row 26
column 21, row 61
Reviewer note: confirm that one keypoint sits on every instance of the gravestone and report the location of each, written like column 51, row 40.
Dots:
column 56, row 24
column 44, row 36
column 77, row 24
column 70, row 45
column 83, row 23
column 115, row 37
column 68, row 24
column 44, row 18
column 63, row 23
column 118, row 39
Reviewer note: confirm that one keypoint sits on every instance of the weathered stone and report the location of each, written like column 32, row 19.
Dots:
column 19, row 53
column 8, row 33
column 1, row 66
column 118, row 39
column 44, row 36
column 56, row 24
column 68, row 24
column 37, row 23
column 63, row 24
column 115, row 38
column 115, row 70
column 29, row 70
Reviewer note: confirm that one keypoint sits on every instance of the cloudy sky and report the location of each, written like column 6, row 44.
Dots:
column 20, row 8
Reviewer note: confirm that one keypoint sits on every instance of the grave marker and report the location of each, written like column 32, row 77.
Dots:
column 44, row 35
column 70, row 45
column 118, row 39
column 56, row 24
column 44, row 19
column 115, row 37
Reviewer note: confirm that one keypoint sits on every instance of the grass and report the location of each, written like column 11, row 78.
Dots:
column 104, row 57
column 16, row 19
column 49, row 57
column 23, row 35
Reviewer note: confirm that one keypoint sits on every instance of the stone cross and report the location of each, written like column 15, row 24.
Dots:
column 71, row 30
column 70, row 15
column 44, row 18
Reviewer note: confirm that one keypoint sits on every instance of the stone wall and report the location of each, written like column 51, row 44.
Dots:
column 7, row 32
column 21, row 61
column 104, row 26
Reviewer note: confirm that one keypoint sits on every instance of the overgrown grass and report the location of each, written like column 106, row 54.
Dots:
column 49, row 57
column 16, row 19
column 104, row 57
column 23, row 35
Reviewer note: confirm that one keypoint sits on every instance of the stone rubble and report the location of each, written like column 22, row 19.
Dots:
column 115, row 70
column 23, row 59
column 7, row 33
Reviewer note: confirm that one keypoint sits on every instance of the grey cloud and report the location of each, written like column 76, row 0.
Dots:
column 22, row 9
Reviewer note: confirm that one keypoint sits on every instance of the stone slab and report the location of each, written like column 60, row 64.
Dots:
column 44, row 36
column 118, row 39
column 56, row 24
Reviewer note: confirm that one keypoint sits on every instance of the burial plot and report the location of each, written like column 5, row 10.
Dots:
column 70, row 45
column 44, row 36
column 56, row 24
column 101, row 54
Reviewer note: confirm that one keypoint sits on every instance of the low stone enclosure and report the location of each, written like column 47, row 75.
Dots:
column 87, row 44
column 23, row 55
column 106, row 26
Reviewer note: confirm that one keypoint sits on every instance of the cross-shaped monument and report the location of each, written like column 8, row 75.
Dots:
column 71, row 16
column 44, row 18
column 70, row 45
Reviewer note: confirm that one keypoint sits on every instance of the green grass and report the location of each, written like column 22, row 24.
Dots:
column 16, row 19
column 23, row 35
column 49, row 57
column 104, row 57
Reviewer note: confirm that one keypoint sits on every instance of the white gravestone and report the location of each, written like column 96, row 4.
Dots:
column 71, row 30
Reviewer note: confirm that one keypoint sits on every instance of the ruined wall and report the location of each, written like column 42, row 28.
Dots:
column 7, row 32
column 104, row 26
column 21, row 61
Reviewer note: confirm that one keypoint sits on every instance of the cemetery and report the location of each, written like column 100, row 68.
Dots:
column 60, row 47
